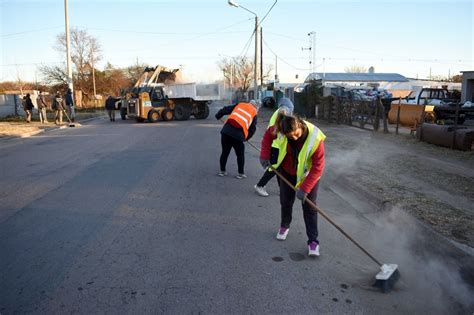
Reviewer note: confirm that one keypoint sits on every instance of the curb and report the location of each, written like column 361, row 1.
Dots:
column 47, row 129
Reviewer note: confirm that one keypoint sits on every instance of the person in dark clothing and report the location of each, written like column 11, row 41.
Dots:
column 70, row 104
column 58, row 107
column 110, row 107
column 239, row 127
column 42, row 106
column 301, row 161
column 28, row 107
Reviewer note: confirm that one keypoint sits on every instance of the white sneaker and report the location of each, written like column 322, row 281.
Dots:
column 313, row 249
column 241, row 176
column 282, row 233
column 261, row 191
column 222, row 174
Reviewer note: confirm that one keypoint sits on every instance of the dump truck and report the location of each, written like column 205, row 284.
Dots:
column 156, row 96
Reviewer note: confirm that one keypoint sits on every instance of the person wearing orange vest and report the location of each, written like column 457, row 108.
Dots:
column 301, row 161
column 239, row 127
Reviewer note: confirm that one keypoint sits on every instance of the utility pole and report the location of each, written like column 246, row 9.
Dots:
column 93, row 71
column 312, row 51
column 257, row 49
column 276, row 68
column 257, row 59
column 68, row 47
column 261, row 57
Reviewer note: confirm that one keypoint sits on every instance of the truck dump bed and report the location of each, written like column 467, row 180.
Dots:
column 198, row 92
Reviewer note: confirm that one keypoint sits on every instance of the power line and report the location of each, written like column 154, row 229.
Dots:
column 219, row 30
column 247, row 46
column 31, row 64
column 31, row 31
column 281, row 59
column 268, row 12
column 371, row 52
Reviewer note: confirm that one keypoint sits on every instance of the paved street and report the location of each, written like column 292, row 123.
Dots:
column 131, row 218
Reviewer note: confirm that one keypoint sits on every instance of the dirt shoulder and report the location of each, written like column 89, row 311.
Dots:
column 434, row 184
column 17, row 127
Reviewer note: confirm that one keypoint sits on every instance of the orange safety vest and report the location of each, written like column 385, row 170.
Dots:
column 243, row 114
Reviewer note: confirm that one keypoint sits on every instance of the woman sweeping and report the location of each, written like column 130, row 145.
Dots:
column 301, row 162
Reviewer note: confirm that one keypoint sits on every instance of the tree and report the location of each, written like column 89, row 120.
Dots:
column 85, row 52
column 238, row 72
column 55, row 75
column 457, row 78
column 355, row 69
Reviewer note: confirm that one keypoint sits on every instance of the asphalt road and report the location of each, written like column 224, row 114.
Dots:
column 131, row 218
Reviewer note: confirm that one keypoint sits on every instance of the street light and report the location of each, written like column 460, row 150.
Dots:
column 257, row 50
column 68, row 46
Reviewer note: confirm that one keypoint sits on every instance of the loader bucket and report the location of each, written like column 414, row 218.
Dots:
column 410, row 114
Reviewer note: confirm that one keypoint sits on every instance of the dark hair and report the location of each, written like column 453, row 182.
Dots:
column 288, row 123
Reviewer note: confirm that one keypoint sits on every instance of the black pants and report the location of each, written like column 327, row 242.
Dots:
column 228, row 143
column 265, row 178
column 287, row 198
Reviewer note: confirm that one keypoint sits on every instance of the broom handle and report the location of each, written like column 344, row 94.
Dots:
column 323, row 214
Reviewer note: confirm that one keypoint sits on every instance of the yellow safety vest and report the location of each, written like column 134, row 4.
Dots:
column 311, row 144
column 273, row 119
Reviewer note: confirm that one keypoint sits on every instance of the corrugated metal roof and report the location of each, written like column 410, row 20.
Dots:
column 357, row 77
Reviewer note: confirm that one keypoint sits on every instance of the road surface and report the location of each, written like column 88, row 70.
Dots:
column 131, row 218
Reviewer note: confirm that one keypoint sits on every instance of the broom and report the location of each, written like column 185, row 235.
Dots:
column 388, row 275
column 71, row 124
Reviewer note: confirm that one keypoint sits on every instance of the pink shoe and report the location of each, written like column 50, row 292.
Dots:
column 282, row 233
column 313, row 249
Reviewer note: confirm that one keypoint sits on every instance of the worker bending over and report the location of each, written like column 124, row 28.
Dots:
column 301, row 161
column 239, row 127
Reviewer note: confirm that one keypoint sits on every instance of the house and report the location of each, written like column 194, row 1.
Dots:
column 467, row 92
column 356, row 79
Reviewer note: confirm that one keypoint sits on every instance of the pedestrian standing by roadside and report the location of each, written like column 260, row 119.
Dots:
column 285, row 106
column 110, row 107
column 58, row 108
column 42, row 108
column 28, row 107
column 301, row 162
column 238, row 128
column 70, row 104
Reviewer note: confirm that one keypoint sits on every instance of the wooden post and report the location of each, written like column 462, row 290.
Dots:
column 377, row 114
column 456, row 117
column 398, row 115
column 384, row 117
column 330, row 111
column 351, row 105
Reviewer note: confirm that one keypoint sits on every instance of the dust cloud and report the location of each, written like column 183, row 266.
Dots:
column 430, row 265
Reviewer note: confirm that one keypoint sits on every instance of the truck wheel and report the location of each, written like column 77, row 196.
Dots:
column 182, row 112
column 202, row 113
column 123, row 113
column 153, row 116
column 166, row 114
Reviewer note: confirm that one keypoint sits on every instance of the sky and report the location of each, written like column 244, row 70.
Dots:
column 413, row 38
